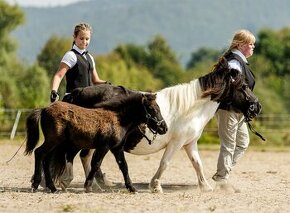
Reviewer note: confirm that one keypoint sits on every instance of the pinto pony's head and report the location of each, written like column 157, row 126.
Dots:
column 228, row 85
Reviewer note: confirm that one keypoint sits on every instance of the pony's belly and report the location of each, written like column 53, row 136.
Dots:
column 177, row 136
column 144, row 148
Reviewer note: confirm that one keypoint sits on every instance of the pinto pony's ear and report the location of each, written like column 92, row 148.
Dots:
column 222, row 64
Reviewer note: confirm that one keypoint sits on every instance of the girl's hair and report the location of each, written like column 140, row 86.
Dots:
column 241, row 37
column 81, row 27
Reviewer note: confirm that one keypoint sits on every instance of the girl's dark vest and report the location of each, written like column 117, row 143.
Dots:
column 80, row 74
column 249, row 76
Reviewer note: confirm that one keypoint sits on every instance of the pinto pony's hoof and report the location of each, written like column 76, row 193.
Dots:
column 155, row 186
column 206, row 188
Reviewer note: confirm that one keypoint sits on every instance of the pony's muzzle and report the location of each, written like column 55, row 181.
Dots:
column 254, row 109
column 162, row 128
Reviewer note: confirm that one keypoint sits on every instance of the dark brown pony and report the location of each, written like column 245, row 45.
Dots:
column 90, row 96
column 71, row 128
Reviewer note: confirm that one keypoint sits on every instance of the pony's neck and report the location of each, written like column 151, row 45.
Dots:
column 181, row 98
column 184, row 102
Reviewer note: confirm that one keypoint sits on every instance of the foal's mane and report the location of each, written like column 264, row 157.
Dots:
column 217, row 83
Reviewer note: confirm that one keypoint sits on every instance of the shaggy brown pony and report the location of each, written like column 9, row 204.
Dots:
column 73, row 128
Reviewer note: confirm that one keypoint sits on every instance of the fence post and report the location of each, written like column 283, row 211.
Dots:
column 14, row 128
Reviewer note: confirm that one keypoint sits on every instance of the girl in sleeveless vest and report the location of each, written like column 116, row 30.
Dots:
column 232, row 130
column 77, row 64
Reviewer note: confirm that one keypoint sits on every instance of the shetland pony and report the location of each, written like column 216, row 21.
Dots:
column 71, row 128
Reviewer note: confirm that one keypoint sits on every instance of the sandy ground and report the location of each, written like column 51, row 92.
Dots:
column 262, row 180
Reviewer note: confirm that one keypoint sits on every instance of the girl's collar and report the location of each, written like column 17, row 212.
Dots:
column 239, row 53
column 75, row 47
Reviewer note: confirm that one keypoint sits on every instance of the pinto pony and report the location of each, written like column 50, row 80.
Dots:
column 186, row 108
column 70, row 128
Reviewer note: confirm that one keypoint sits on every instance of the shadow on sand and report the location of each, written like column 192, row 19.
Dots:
column 78, row 188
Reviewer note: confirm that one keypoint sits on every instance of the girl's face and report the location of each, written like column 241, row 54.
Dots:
column 82, row 40
column 247, row 49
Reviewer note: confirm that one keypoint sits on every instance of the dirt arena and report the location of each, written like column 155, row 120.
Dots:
column 262, row 182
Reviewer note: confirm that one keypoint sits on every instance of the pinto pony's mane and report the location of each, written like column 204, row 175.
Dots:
column 216, row 84
column 183, row 96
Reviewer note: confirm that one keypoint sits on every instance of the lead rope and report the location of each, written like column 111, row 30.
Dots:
column 254, row 131
column 15, row 152
column 149, row 141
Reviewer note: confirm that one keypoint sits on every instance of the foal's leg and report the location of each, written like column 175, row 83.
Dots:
column 36, row 178
column 170, row 150
column 39, row 155
column 96, row 162
column 192, row 152
column 47, row 174
column 120, row 158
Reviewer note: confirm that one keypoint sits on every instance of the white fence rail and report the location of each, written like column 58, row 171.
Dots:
column 12, row 122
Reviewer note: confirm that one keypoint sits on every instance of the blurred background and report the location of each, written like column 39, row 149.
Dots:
column 144, row 45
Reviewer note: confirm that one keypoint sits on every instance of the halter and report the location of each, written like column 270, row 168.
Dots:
column 251, row 107
column 247, row 119
column 158, row 123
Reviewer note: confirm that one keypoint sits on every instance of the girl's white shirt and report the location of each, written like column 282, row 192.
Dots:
column 70, row 57
column 235, row 64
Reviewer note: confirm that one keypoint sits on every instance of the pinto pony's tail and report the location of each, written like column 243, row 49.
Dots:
column 32, row 131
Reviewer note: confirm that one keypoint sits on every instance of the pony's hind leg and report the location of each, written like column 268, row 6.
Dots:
column 39, row 155
column 96, row 162
column 120, row 158
column 192, row 152
column 46, row 169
